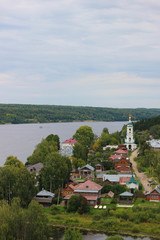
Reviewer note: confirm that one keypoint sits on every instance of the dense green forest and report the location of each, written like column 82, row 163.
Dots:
column 145, row 124
column 19, row 113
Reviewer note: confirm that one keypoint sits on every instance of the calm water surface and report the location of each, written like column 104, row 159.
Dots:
column 58, row 234
column 20, row 140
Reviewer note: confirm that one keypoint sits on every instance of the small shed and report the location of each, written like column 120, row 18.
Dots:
column 45, row 198
column 126, row 197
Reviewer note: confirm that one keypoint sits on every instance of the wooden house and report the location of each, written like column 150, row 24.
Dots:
column 86, row 171
column 68, row 190
column 45, row 198
column 154, row 195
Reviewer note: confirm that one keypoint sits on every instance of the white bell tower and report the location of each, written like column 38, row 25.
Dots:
column 129, row 140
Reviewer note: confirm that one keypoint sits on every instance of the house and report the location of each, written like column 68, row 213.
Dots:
column 86, row 171
column 110, row 147
column 154, row 195
column 115, row 157
column 132, row 184
column 66, row 151
column 154, row 143
column 90, row 190
column 126, row 197
column 123, row 161
column 110, row 179
column 114, row 179
column 45, row 198
column 75, row 174
column 68, row 190
column 110, row 194
column 35, row 168
column 121, row 152
column 99, row 168
column 69, row 142
column 123, row 180
column 123, row 169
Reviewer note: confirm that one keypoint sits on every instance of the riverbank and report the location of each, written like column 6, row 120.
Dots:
column 143, row 220
column 107, row 232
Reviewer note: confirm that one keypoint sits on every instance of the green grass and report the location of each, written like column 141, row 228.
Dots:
column 122, row 220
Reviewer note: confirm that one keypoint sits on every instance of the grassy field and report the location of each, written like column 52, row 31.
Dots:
column 143, row 219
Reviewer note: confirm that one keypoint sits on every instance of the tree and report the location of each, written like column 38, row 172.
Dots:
column 80, row 151
column 17, row 182
column 77, row 162
column 84, row 135
column 54, row 138
column 13, row 161
column 41, row 151
column 78, row 203
column 72, row 234
column 56, row 171
column 37, row 222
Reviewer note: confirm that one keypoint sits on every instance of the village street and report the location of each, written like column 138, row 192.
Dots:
column 142, row 177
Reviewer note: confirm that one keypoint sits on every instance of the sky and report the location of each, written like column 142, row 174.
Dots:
column 80, row 52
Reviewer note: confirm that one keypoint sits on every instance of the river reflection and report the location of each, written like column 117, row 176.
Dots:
column 58, row 234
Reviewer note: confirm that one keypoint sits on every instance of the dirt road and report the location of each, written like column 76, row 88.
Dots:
column 142, row 177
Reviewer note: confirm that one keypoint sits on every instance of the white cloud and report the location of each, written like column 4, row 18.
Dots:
column 79, row 48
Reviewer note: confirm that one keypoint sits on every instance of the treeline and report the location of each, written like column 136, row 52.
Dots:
column 19, row 113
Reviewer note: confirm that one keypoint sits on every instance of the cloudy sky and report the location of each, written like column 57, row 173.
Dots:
column 80, row 52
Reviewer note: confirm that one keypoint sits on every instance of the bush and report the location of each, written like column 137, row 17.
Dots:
column 135, row 229
column 54, row 209
column 72, row 234
column 114, row 238
column 78, row 203
column 97, row 217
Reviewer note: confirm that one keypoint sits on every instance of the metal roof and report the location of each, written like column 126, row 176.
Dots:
column 126, row 194
column 45, row 193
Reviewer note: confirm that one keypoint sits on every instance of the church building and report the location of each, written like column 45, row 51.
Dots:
column 129, row 140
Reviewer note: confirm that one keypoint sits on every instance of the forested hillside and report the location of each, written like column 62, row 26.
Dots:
column 19, row 113
column 145, row 124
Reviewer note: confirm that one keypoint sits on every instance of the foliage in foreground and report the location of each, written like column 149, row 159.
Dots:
column 23, row 224
column 16, row 181
column 72, row 234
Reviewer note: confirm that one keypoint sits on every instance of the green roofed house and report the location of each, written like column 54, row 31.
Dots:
column 132, row 184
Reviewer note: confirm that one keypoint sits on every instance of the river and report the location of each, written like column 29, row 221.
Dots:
column 58, row 234
column 21, row 139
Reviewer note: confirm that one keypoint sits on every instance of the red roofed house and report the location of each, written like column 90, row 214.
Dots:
column 121, row 151
column 90, row 190
column 69, row 142
column 123, row 169
column 115, row 156
column 123, row 180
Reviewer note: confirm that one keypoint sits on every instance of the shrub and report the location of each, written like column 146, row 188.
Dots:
column 97, row 217
column 78, row 203
column 54, row 209
column 114, row 238
column 135, row 229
